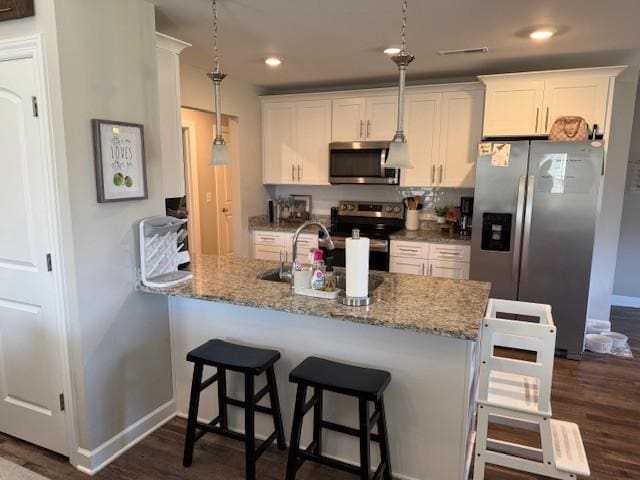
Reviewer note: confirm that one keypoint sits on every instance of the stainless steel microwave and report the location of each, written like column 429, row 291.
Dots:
column 361, row 163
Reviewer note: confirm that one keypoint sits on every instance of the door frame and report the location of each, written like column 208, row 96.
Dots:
column 190, row 148
column 31, row 47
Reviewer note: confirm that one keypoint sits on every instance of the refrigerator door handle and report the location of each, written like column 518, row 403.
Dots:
column 518, row 236
column 527, row 229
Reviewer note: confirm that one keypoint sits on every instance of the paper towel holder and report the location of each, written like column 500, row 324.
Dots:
column 354, row 301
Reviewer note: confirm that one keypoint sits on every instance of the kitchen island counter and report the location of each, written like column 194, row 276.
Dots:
column 422, row 330
column 432, row 305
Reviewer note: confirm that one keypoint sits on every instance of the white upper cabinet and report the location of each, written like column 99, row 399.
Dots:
column 349, row 117
column 442, row 122
column 382, row 114
column 461, row 131
column 371, row 118
column 513, row 107
column 443, row 131
column 314, row 134
column 583, row 96
column 295, row 142
column 168, row 57
column 279, row 156
column 422, row 126
column 527, row 104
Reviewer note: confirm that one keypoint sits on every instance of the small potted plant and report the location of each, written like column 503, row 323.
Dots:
column 441, row 213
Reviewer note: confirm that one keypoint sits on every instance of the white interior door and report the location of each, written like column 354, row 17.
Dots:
column 30, row 363
column 224, row 193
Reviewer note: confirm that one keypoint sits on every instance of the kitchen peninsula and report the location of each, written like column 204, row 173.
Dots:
column 423, row 330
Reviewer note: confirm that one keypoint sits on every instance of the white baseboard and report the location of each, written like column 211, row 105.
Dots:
column 622, row 301
column 264, row 437
column 92, row 461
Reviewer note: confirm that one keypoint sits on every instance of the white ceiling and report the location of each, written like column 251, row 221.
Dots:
column 339, row 42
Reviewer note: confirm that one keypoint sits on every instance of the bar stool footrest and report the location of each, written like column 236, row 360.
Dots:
column 354, row 432
column 328, row 462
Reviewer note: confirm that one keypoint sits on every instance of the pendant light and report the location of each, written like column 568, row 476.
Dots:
column 219, row 151
column 399, row 149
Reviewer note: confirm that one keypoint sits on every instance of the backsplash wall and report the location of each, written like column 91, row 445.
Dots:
column 325, row 197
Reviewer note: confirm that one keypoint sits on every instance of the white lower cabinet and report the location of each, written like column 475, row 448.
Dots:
column 448, row 269
column 267, row 252
column 430, row 259
column 278, row 246
column 412, row 266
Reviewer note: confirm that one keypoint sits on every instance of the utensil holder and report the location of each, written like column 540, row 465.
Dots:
column 411, row 222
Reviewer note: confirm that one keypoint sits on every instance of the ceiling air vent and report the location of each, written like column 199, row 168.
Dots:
column 464, row 50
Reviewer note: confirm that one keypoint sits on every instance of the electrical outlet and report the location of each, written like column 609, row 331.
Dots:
column 209, row 197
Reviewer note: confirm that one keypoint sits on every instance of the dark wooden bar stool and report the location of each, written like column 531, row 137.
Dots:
column 367, row 385
column 251, row 362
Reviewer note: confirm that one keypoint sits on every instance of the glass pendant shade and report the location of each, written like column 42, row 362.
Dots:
column 219, row 154
column 398, row 155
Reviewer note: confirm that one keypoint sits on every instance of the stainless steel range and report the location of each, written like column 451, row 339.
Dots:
column 375, row 221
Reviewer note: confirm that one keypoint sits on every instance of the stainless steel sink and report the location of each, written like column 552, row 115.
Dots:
column 274, row 276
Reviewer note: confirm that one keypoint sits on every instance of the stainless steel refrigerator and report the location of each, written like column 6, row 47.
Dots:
column 534, row 219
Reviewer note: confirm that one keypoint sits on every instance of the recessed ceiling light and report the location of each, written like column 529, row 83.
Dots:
column 392, row 50
column 542, row 34
column 273, row 61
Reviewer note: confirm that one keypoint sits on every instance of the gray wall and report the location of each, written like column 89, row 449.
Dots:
column 108, row 70
column 627, row 280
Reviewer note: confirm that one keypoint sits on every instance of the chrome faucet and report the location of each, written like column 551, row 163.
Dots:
column 327, row 241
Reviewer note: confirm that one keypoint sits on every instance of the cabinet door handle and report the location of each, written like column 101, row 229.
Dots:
column 441, row 173
column 361, row 128
column 298, row 172
column 431, row 269
column 537, row 118
column 423, row 269
column 546, row 120
column 433, row 174
column 293, row 173
column 5, row 10
column 368, row 128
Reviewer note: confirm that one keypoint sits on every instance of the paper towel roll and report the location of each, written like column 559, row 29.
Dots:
column 357, row 265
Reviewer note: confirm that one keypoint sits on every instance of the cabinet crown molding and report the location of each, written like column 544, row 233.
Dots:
column 612, row 71
column 171, row 44
column 372, row 92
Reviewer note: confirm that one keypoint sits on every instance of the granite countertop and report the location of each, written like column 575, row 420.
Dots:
column 261, row 222
column 431, row 236
column 431, row 305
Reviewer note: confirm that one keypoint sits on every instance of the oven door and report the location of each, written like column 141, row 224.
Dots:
column 361, row 162
column 378, row 254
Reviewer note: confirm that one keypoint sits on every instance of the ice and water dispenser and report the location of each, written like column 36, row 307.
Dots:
column 496, row 231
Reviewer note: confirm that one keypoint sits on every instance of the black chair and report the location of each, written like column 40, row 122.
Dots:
column 363, row 383
column 251, row 362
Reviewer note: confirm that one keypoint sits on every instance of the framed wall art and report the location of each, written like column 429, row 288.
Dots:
column 121, row 172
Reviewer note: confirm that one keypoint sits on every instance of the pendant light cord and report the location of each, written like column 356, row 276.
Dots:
column 404, row 26
column 216, row 59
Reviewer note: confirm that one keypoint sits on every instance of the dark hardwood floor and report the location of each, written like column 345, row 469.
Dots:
column 601, row 394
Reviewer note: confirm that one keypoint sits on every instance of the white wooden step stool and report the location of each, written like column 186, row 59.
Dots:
column 517, row 393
